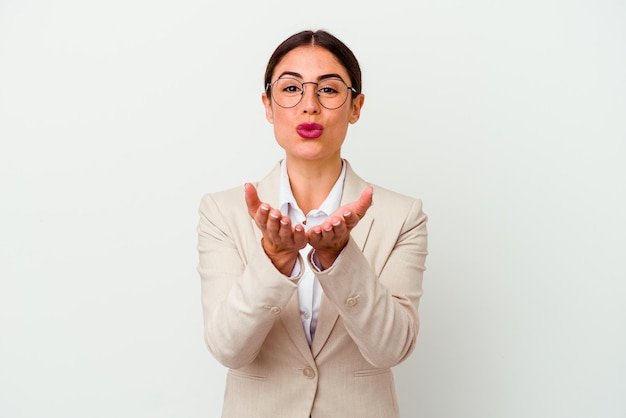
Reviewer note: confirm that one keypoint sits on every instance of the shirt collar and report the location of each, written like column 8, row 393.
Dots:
column 330, row 204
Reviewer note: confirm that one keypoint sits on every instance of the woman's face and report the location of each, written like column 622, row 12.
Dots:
column 308, row 131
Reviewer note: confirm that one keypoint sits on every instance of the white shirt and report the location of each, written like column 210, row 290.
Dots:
column 309, row 288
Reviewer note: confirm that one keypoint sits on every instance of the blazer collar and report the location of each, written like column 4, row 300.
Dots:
column 268, row 187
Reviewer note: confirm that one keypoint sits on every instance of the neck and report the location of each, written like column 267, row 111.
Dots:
column 311, row 182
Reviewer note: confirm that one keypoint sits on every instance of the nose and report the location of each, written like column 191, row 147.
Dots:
column 310, row 102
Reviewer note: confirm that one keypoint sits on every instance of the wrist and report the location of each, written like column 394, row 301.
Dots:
column 326, row 259
column 284, row 265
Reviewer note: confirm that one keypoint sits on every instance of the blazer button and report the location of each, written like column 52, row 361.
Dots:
column 351, row 301
column 308, row 372
column 275, row 310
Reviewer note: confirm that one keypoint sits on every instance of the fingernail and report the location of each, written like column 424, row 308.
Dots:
column 264, row 208
column 273, row 215
column 337, row 223
column 283, row 223
column 347, row 214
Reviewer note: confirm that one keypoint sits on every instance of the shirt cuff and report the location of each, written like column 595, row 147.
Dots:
column 295, row 273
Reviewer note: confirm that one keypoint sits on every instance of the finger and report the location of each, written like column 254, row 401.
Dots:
column 252, row 199
column 285, row 232
column 261, row 216
column 327, row 227
column 314, row 236
column 299, row 236
column 328, row 237
column 340, row 227
column 273, row 223
column 350, row 219
column 332, row 231
column 331, row 224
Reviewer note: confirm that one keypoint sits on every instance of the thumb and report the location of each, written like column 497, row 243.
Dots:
column 252, row 198
column 365, row 201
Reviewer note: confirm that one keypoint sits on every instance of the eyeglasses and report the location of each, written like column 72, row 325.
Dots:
column 332, row 93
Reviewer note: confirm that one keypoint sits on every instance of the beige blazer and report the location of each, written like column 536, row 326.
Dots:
column 368, row 319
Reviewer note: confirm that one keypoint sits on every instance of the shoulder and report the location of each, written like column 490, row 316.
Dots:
column 392, row 214
column 396, row 210
column 386, row 202
column 223, row 211
column 233, row 199
column 228, row 197
column 394, row 199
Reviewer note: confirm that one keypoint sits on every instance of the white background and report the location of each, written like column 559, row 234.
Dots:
column 507, row 118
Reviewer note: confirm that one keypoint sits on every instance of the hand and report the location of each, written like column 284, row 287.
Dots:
column 331, row 236
column 280, row 241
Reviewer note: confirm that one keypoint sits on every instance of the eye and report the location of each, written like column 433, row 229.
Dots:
column 288, row 86
column 327, row 90
column 291, row 88
column 331, row 87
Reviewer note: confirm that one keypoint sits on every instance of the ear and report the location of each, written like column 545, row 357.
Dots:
column 355, row 110
column 267, row 102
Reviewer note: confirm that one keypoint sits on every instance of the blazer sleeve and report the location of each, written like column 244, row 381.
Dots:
column 379, row 310
column 242, row 292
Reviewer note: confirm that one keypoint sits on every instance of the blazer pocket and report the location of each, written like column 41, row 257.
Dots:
column 246, row 375
column 371, row 372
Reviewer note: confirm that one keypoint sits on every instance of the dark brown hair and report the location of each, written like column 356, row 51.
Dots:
column 322, row 39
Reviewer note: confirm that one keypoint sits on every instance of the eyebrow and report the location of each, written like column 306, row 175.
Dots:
column 298, row 75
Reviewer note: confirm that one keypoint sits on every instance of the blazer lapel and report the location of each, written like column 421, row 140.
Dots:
column 328, row 312
column 328, row 315
column 292, row 322
column 352, row 189
column 268, row 188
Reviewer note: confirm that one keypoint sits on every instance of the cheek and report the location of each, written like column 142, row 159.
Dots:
column 279, row 119
column 282, row 127
column 342, row 122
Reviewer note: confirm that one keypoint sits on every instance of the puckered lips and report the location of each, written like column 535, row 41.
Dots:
column 309, row 130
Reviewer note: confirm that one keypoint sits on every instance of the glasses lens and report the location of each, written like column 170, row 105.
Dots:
column 331, row 92
column 287, row 92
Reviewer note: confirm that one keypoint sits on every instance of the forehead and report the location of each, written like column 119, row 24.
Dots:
column 311, row 62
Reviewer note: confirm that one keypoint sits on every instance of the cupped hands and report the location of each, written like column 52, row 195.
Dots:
column 282, row 241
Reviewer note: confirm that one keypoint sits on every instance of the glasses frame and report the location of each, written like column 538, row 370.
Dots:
column 270, row 87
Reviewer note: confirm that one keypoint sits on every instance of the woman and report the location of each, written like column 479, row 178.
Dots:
column 310, row 293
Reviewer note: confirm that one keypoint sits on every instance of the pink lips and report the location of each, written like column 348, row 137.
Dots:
column 309, row 130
